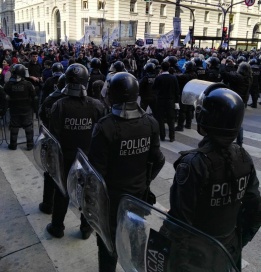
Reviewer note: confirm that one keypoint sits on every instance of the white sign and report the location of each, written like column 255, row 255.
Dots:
column 92, row 30
column 177, row 30
column 5, row 42
column 249, row 2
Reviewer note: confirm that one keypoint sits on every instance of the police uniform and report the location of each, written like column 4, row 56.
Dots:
column 123, row 143
column 21, row 103
column 72, row 120
column 206, row 195
column 254, row 89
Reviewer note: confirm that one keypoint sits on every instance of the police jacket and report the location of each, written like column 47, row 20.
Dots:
column 49, row 86
column 237, row 82
column 146, row 83
column 183, row 79
column 208, row 195
column 123, row 143
column 21, row 96
column 212, row 74
column 166, row 86
column 45, row 108
column 95, row 74
column 72, row 121
column 256, row 73
column 201, row 72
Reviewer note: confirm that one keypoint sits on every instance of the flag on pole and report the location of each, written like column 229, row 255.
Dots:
column 187, row 38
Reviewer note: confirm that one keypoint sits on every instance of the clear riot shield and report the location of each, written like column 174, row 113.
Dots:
column 48, row 156
column 149, row 240
column 195, row 88
column 87, row 191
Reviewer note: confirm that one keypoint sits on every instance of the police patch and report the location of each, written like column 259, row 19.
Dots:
column 182, row 173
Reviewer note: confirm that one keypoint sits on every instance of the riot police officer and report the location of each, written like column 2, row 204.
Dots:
column 200, row 70
column 173, row 63
column 45, row 113
column 186, row 111
column 218, row 179
column 212, row 71
column 71, row 122
column 49, row 84
column 254, row 88
column 147, row 94
column 123, row 143
column 22, row 100
column 95, row 74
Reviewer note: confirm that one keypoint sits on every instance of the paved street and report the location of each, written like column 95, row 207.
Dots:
column 25, row 246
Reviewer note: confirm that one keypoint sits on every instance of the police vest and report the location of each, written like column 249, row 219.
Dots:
column 129, row 142
column 220, row 196
column 77, row 120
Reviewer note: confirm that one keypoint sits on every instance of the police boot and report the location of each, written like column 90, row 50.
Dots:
column 48, row 193
column 85, row 228
column 13, row 138
column 29, row 133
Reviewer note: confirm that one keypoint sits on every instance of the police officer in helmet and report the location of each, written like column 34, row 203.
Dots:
column 216, row 181
column 124, row 143
column 22, row 101
column 71, row 122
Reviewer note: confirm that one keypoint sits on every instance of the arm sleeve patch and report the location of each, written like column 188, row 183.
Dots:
column 182, row 173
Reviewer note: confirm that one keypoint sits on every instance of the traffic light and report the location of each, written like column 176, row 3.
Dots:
column 224, row 34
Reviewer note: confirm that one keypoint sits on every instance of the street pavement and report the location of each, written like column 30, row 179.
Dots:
column 25, row 245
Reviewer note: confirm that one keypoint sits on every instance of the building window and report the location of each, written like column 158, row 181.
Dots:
column 64, row 28
column 85, row 4
column 28, row 25
column 47, row 10
column 218, row 34
column 161, row 28
column 205, row 31
column 148, row 8
column 17, row 14
column 38, row 11
column 48, row 28
column 19, row 30
column 64, row 7
column 22, row 14
column 85, row 22
column 162, row 10
column 206, row 16
column 101, row 4
column 249, row 21
column 220, row 18
column 27, row 14
column 133, row 5
column 147, row 27
column 32, row 13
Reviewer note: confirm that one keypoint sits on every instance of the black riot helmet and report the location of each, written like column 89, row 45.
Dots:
column 198, row 61
column 123, row 87
column 18, row 72
column 244, row 69
column 172, row 60
column 150, row 68
column 219, row 114
column 152, row 60
column 61, row 82
column 57, row 69
column 118, row 66
column 77, row 78
column 189, row 66
column 253, row 62
column 241, row 59
column 95, row 63
column 213, row 61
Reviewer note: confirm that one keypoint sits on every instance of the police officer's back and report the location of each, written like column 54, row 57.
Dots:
column 214, row 182
column 21, row 103
column 72, row 120
column 255, row 87
column 123, row 143
column 212, row 71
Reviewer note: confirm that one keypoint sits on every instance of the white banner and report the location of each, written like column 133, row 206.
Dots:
column 6, row 43
column 187, row 38
column 177, row 30
column 34, row 37
column 92, row 30
column 115, row 34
